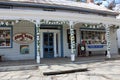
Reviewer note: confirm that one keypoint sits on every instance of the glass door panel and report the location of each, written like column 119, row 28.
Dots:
column 48, row 45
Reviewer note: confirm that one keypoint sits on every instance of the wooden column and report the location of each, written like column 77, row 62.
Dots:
column 72, row 37
column 108, row 41
column 38, row 40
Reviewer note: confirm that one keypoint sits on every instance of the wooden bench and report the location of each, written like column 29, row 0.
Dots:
column 1, row 58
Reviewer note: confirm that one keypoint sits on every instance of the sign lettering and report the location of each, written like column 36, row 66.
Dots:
column 23, row 38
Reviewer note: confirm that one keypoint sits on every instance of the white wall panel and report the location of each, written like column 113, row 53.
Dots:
column 67, row 51
column 114, row 44
column 14, row 52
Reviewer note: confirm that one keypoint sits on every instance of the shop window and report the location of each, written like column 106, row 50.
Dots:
column 93, row 37
column 5, row 37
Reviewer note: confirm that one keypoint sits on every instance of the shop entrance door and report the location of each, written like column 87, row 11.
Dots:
column 48, row 45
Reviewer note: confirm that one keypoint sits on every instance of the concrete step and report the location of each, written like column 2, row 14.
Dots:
column 17, row 68
column 116, row 57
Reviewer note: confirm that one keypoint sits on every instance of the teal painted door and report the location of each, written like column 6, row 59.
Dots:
column 48, row 45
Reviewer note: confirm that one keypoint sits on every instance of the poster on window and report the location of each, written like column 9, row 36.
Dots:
column 24, row 49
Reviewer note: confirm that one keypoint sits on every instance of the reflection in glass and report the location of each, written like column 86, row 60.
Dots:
column 51, row 43
column 48, row 45
column 46, row 49
column 51, row 49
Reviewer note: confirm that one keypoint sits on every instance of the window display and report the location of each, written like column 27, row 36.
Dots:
column 93, row 37
column 5, row 37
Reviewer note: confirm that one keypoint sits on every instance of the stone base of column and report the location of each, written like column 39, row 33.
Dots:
column 38, row 59
column 72, row 57
column 108, row 55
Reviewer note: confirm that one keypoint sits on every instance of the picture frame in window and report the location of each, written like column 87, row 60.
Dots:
column 24, row 49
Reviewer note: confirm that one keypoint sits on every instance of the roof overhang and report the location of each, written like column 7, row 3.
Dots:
column 15, row 14
column 63, row 7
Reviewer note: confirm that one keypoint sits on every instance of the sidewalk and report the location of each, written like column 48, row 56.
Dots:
column 107, row 70
column 18, row 65
column 52, row 65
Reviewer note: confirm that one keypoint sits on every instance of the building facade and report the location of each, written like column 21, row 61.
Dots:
column 48, row 29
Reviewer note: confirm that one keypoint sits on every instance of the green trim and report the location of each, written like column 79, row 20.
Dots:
column 62, row 47
column 35, row 33
column 92, row 29
column 57, row 27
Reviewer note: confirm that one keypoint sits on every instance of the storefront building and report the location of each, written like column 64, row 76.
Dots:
column 49, row 29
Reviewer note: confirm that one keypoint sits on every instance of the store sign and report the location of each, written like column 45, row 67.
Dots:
column 23, row 38
column 95, row 46
column 53, row 22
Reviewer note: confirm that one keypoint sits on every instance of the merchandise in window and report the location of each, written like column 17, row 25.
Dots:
column 93, row 37
column 5, row 37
